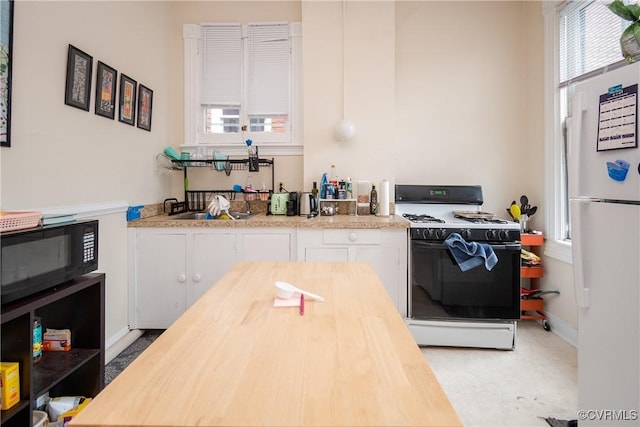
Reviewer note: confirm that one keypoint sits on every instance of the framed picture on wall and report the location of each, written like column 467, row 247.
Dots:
column 106, row 78
column 127, row 100
column 78, row 85
column 145, row 104
column 6, row 40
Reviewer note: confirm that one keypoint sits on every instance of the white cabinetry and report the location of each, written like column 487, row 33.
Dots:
column 159, row 291
column 384, row 249
column 267, row 244
column 172, row 268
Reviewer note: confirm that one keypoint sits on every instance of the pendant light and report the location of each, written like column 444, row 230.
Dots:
column 345, row 129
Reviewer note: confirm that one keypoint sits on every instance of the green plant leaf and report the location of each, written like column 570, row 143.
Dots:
column 621, row 10
column 635, row 10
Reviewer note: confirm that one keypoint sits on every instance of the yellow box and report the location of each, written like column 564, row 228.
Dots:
column 9, row 384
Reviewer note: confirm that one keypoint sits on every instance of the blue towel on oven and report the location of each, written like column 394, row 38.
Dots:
column 470, row 255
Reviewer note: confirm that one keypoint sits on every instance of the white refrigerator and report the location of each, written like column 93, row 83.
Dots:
column 604, row 192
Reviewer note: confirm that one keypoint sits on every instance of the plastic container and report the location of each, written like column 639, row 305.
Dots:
column 19, row 220
column 39, row 418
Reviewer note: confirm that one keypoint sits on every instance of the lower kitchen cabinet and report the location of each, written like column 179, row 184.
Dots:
column 172, row 268
column 384, row 249
column 267, row 244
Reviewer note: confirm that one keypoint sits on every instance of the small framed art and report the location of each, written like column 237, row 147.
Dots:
column 78, row 85
column 145, row 104
column 106, row 78
column 127, row 100
column 6, row 39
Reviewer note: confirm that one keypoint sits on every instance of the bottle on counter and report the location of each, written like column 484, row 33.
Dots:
column 373, row 200
column 314, row 190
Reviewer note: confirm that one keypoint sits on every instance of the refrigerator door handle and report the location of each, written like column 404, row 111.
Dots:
column 583, row 294
column 578, row 106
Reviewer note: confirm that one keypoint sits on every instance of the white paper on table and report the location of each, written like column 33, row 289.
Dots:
column 288, row 302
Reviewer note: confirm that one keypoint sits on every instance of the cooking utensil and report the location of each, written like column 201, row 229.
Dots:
column 515, row 212
column 524, row 205
column 286, row 290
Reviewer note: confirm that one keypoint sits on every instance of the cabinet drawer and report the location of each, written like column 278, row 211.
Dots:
column 351, row 237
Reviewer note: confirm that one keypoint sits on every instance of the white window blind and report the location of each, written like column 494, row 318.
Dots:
column 268, row 50
column 589, row 39
column 221, row 64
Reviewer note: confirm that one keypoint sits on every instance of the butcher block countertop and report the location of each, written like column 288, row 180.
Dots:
column 233, row 359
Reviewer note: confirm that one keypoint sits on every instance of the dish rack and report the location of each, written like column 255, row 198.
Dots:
column 198, row 200
column 10, row 221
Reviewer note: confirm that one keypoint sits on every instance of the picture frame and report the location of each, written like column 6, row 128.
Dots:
column 6, row 53
column 145, row 107
column 78, row 84
column 106, row 81
column 127, row 100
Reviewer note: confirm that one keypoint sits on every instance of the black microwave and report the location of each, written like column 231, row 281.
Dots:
column 43, row 257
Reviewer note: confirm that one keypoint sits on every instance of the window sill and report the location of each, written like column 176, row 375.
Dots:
column 558, row 249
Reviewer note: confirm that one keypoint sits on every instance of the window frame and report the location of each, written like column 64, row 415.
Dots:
column 270, row 144
column 557, row 246
column 558, row 243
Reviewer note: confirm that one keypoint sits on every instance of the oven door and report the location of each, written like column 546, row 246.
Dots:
column 440, row 290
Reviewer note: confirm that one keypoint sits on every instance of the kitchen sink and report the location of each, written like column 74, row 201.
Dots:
column 203, row 216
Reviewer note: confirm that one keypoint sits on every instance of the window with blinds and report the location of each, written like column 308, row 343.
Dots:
column 589, row 40
column 589, row 44
column 246, row 78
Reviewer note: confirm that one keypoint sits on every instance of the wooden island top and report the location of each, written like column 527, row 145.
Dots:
column 233, row 359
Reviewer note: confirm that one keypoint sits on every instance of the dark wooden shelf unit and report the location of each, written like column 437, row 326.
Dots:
column 77, row 305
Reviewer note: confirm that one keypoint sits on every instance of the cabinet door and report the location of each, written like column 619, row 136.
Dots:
column 213, row 255
column 326, row 254
column 385, row 261
column 160, row 279
column 266, row 246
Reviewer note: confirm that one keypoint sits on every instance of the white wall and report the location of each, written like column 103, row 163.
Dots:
column 367, row 48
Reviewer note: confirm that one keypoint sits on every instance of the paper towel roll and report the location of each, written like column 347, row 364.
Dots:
column 383, row 196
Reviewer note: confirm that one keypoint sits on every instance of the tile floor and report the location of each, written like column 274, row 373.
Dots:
column 538, row 379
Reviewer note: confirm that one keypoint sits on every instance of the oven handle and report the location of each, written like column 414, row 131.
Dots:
column 441, row 245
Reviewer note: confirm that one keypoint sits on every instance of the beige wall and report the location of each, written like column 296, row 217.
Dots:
column 440, row 92
column 63, row 156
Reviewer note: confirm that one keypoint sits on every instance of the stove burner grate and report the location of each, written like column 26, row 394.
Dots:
column 485, row 220
column 422, row 218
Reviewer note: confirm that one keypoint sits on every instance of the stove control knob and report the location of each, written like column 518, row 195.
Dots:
column 466, row 234
column 504, row 235
column 491, row 234
column 441, row 234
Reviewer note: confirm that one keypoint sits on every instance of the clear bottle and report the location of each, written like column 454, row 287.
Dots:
column 37, row 340
column 373, row 200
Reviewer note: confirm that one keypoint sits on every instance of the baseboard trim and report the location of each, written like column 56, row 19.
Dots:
column 563, row 329
column 116, row 344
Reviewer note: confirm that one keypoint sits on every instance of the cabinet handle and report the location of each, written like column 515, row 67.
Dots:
column 353, row 237
column 182, row 278
column 196, row 277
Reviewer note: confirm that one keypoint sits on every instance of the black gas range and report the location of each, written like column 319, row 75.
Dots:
column 448, row 306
